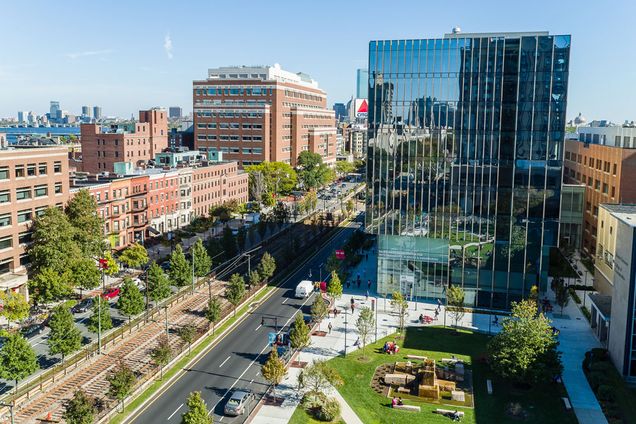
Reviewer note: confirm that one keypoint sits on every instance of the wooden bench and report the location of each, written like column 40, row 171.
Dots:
column 489, row 386
column 421, row 358
column 448, row 412
column 567, row 403
column 412, row 408
column 403, row 390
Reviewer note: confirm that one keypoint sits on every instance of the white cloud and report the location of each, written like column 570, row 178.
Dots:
column 167, row 45
column 77, row 55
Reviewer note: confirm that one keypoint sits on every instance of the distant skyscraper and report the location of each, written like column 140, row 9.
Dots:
column 54, row 110
column 465, row 158
column 362, row 84
column 341, row 111
column 97, row 112
column 175, row 112
column 86, row 111
column 21, row 116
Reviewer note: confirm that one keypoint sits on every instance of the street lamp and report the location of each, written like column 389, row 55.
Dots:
column 345, row 331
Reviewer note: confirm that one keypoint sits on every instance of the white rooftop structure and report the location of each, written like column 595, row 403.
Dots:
column 264, row 73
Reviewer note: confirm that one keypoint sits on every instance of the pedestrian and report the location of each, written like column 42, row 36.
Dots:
column 359, row 282
column 366, row 256
column 436, row 313
column 439, row 303
column 352, row 307
column 329, row 327
column 367, row 295
column 369, row 284
column 496, row 320
column 348, row 283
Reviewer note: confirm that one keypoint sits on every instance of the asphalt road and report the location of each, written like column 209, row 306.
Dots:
column 235, row 362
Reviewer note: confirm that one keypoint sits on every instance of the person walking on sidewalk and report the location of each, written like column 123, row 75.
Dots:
column 352, row 304
column 329, row 327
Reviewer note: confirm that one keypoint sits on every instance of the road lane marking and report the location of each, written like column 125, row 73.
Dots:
column 286, row 299
column 175, row 411
column 257, row 328
column 223, row 363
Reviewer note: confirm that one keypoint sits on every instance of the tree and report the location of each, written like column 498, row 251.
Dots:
column 350, row 207
column 14, row 306
column 162, row 353
column 318, row 310
column 319, row 377
column 334, row 288
column 131, row 301
column 235, row 290
column 299, row 335
column 48, row 286
column 213, row 311
column 158, row 283
column 187, row 333
column 267, row 266
column 202, row 261
column 312, row 172
column 525, row 350
column 401, row 306
column 121, row 380
column 256, row 185
column 273, row 370
column 365, row 324
column 333, row 263
column 278, row 178
column 101, row 309
column 215, row 250
column 17, row 358
column 180, row 268
column 224, row 211
column 135, row 256
column 311, row 201
column 80, row 409
column 344, row 167
column 65, row 338
column 455, row 303
column 81, row 211
column 534, row 294
column 111, row 264
column 53, row 245
column 197, row 410
column 254, row 278
column 562, row 296
column 281, row 213
column 241, row 238
column 261, row 227
column 84, row 273
column 228, row 241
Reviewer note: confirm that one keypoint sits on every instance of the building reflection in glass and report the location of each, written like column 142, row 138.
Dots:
column 464, row 162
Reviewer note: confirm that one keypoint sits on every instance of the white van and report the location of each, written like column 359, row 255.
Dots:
column 304, row 289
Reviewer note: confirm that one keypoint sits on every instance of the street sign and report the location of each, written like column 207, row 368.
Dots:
column 340, row 254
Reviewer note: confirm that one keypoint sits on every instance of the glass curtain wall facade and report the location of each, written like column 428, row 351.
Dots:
column 464, row 166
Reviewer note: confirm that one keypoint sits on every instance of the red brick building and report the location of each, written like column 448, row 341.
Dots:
column 126, row 144
column 214, row 185
column 263, row 113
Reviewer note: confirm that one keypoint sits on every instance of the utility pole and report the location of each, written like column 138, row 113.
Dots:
column 10, row 406
column 345, row 332
column 166, row 308
column 193, row 276
column 99, row 316
column 147, row 300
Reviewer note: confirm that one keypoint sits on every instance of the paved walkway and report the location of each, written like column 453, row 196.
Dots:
column 575, row 338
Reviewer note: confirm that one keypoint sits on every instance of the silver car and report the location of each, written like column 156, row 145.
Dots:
column 237, row 402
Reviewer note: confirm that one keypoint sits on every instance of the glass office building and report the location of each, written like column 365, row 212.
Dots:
column 464, row 167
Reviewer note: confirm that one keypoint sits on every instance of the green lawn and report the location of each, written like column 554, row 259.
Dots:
column 301, row 417
column 542, row 402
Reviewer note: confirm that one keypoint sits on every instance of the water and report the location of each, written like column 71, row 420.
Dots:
column 12, row 133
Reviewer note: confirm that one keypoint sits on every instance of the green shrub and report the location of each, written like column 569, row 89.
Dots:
column 329, row 410
column 596, row 379
column 599, row 354
column 601, row 366
column 606, row 392
column 587, row 361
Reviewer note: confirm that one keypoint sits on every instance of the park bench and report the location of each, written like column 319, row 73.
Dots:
column 448, row 412
column 403, row 390
column 421, row 358
column 489, row 386
column 408, row 408
column 567, row 403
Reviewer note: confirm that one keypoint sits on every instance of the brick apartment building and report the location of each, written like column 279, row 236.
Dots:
column 215, row 185
column 608, row 172
column 262, row 113
column 31, row 180
column 128, row 145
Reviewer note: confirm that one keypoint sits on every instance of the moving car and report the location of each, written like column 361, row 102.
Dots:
column 237, row 403
column 304, row 289
column 31, row 330
column 111, row 293
column 82, row 306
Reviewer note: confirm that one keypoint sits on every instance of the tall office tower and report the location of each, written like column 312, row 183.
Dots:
column 97, row 112
column 86, row 111
column 54, row 110
column 464, row 164
column 21, row 117
column 362, row 83
column 262, row 113
column 175, row 112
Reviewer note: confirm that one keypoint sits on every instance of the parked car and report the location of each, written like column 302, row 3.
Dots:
column 238, row 402
column 32, row 330
column 82, row 306
column 111, row 293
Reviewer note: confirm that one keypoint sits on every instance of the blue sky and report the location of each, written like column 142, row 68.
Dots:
column 128, row 55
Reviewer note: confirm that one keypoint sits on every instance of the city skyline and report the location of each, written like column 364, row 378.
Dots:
column 124, row 72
